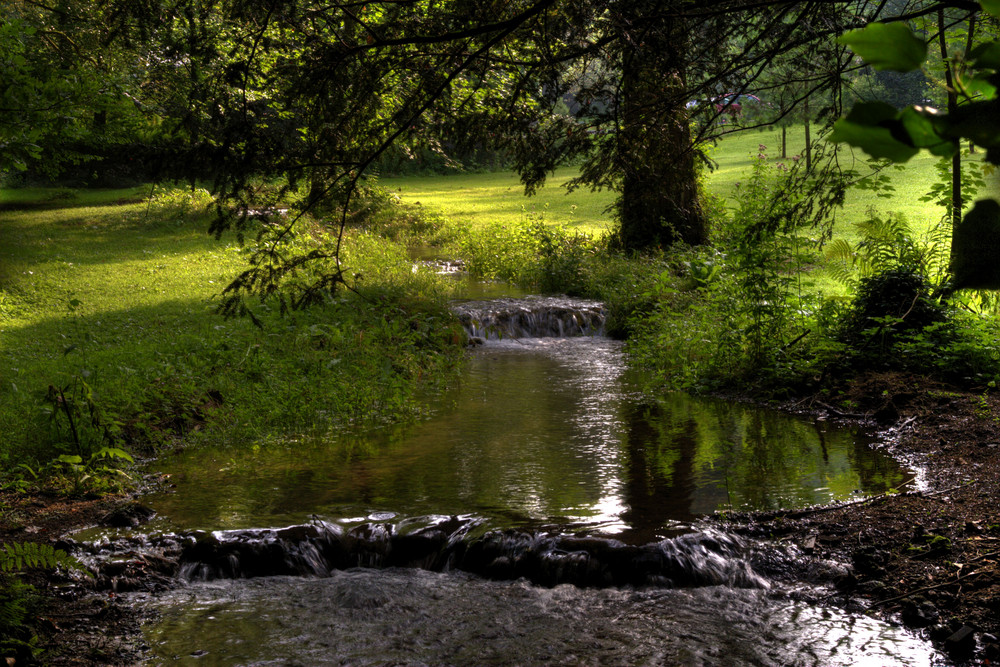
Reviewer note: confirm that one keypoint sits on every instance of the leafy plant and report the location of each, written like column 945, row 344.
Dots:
column 763, row 256
column 18, row 556
column 20, row 479
column 890, row 303
column 16, row 606
column 73, row 411
column 532, row 254
column 735, row 313
column 888, row 243
column 100, row 471
column 564, row 257
column 983, row 408
column 17, row 601
column 973, row 179
column 73, row 408
column 178, row 203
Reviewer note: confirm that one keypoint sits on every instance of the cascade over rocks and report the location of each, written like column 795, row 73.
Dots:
column 317, row 549
column 532, row 317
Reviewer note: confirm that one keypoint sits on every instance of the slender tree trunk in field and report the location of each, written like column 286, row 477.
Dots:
column 659, row 203
column 808, row 138
column 956, row 160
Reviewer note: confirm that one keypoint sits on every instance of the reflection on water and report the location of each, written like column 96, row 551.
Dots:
column 415, row 617
column 541, row 432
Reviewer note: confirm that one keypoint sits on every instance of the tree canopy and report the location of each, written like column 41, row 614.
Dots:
column 307, row 95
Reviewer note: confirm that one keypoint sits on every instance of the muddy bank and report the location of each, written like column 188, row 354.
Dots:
column 926, row 557
column 77, row 623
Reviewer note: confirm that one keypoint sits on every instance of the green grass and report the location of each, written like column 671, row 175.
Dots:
column 484, row 198
column 911, row 181
column 498, row 197
column 63, row 197
column 119, row 300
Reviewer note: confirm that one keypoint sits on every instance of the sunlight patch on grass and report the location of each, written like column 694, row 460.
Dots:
column 483, row 198
column 498, row 197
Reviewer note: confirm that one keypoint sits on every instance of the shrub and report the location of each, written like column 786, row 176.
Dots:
column 890, row 304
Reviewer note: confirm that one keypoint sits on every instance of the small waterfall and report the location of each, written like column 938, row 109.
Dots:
column 441, row 544
column 533, row 317
column 308, row 550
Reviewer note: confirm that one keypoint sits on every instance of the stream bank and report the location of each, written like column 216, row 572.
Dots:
column 925, row 558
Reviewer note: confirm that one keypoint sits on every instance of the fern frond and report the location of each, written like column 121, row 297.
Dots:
column 13, row 605
column 31, row 555
column 841, row 259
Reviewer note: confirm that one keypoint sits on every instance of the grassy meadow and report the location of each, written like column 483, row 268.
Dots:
column 498, row 197
column 483, row 198
column 109, row 334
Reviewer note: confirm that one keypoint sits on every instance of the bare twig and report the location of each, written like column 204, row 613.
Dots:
column 841, row 413
column 924, row 589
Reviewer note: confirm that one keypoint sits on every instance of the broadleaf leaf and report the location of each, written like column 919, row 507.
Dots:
column 875, row 128
column 887, row 46
column 991, row 7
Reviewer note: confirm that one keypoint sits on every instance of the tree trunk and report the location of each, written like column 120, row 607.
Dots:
column 808, row 138
column 956, row 160
column 659, row 203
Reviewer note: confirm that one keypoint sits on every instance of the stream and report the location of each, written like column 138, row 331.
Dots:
column 544, row 513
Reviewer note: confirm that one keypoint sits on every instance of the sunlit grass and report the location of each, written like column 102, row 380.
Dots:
column 123, row 297
column 484, row 198
column 110, row 259
column 498, row 197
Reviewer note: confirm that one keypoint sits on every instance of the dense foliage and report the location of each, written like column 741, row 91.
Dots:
column 265, row 99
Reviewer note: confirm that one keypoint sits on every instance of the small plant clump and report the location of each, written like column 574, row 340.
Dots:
column 18, row 602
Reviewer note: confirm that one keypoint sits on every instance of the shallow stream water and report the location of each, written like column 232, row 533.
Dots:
column 546, row 440
column 415, row 617
column 541, row 432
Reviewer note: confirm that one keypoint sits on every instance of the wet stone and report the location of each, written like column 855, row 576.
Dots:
column 128, row 515
column 961, row 644
column 939, row 632
column 919, row 613
column 424, row 550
